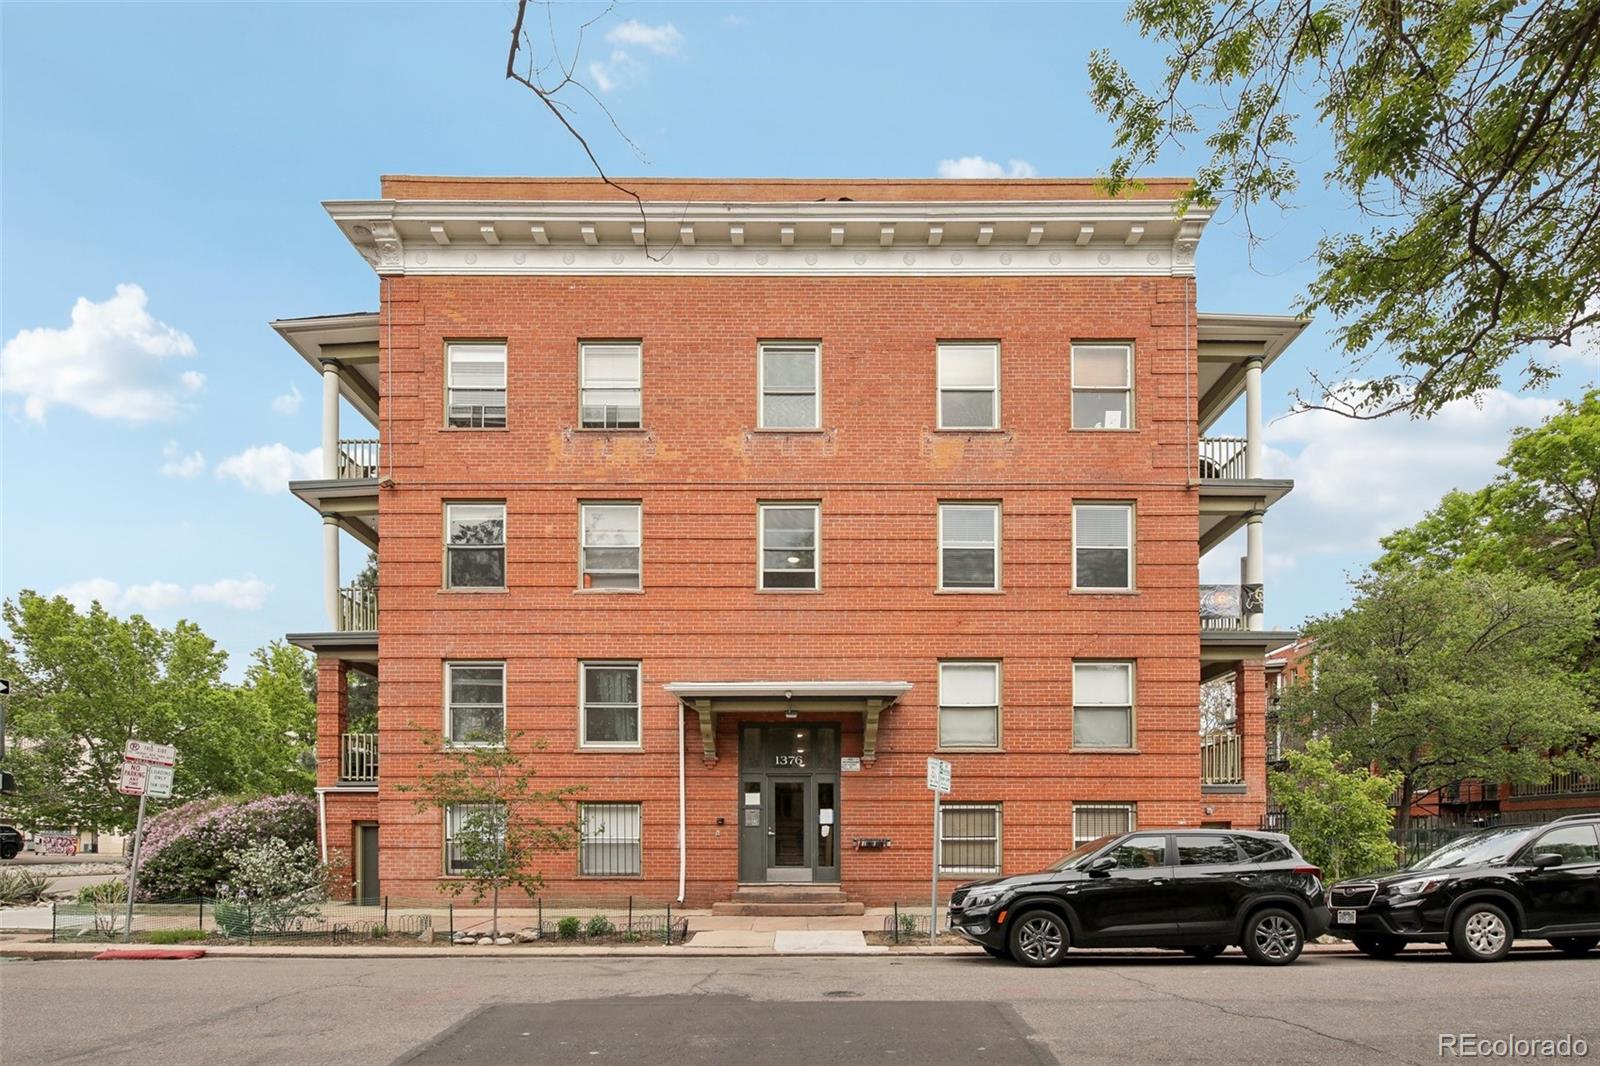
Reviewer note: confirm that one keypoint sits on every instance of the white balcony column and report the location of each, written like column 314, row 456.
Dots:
column 1252, row 598
column 330, row 570
column 1252, row 419
column 330, row 420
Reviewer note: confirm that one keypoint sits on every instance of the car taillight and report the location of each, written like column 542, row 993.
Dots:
column 1311, row 870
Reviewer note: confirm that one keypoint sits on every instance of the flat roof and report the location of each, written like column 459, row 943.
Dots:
column 764, row 190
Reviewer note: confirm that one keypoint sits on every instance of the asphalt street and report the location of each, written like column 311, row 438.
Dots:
column 928, row 1011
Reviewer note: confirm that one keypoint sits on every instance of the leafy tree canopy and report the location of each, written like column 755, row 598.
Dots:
column 1462, row 130
column 1339, row 814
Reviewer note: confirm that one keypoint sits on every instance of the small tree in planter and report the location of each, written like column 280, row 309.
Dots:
column 499, row 821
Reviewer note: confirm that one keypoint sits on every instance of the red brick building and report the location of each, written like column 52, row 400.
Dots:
column 747, row 502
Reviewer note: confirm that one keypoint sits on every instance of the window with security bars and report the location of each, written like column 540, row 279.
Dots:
column 1102, row 705
column 475, row 385
column 611, row 545
column 471, row 833
column 1102, row 386
column 475, row 703
column 1091, row 821
column 789, row 549
column 969, row 546
column 1102, row 546
column 609, row 839
column 969, row 838
column 610, row 709
column 969, row 386
column 791, row 386
column 969, row 705
column 475, row 545
column 611, row 391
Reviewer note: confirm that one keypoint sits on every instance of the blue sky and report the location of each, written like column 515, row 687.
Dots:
column 184, row 149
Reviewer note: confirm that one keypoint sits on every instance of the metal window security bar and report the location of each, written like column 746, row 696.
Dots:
column 1091, row 821
column 969, row 838
column 476, row 389
column 610, row 838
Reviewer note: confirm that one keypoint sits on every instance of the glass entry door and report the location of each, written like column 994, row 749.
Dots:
column 789, row 817
column 788, row 829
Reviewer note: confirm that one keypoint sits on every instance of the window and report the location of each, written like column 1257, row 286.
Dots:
column 610, row 395
column 471, row 832
column 475, row 703
column 969, row 546
column 969, row 838
column 789, row 552
column 475, row 545
column 1091, row 821
column 969, row 386
column 1102, row 546
column 791, row 386
column 610, row 548
column 610, row 709
column 609, row 839
column 969, row 705
column 1576, row 844
column 1141, row 853
column 1207, row 851
column 1262, row 849
column 1102, row 386
column 475, row 385
column 1102, row 705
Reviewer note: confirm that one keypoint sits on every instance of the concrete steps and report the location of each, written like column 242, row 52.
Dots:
column 788, row 901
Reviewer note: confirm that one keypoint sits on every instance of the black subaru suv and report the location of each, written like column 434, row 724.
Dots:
column 1479, row 893
column 1199, row 890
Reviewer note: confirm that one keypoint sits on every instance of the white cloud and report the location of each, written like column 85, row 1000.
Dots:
column 618, row 72
column 242, row 594
column 113, row 361
column 289, row 402
column 663, row 40
column 975, row 166
column 181, row 465
column 270, row 467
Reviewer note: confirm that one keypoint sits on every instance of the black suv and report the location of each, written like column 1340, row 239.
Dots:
column 1195, row 889
column 11, row 842
column 1478, row 893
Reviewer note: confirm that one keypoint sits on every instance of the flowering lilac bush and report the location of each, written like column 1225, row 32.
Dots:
column 186, row 851
column 273, row 886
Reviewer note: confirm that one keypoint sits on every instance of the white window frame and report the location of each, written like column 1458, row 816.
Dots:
column 583, row 704
column 1132, row 705
column 1130, row 809
column 584, row 386
column 452, row 814
column 761, row 544
column 815, row 348
column 583, row 545
column 1133, row 530
column 450, row 666
column 1072, row 415
column 999, row 705
column 450, row 387
column 994, row 509
column 637, row 819
column 999, row 833
column 449, row 547
column 993, row 390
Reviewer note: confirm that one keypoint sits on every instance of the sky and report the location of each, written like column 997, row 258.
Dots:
column 161, row 172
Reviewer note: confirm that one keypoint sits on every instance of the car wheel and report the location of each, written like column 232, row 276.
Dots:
column 1379, row 947
column 1039, row 938
column 1574, row 945
column 1273, row 937
column 9, row 852
column 1481, row 932
column 1205, row 952
column 997, row 953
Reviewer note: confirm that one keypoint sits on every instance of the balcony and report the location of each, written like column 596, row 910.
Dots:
column 358, row 758
column 1222, row 607
column 356, row 460
column 1223, row 458
column 1222, row 761
column 1567, row 784
column 358, row 609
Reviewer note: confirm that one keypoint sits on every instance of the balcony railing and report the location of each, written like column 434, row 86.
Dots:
column 1567, row 784
column 357, row 460
column 358, row 609
column 1221, row 758
column 358, row 757
column 1222, row 457
column 1221, row 607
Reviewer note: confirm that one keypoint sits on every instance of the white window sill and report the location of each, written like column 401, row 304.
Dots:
column 1104, row 751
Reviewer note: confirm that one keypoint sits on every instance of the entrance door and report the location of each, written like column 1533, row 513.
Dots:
column 789, row 829
column 788, row 803
column 367, row 888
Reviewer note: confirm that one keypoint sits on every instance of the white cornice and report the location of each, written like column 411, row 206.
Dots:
column 1090, row 237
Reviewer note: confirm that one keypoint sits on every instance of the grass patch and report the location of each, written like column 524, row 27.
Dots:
column 173, row 936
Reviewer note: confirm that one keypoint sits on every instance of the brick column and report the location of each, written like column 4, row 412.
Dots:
column 333, row 716
column 1250, row 704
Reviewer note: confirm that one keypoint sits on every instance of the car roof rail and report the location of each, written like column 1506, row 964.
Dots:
column 1581, row 816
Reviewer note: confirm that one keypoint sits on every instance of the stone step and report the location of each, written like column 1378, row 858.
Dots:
column 787, row 910
column 789, row 894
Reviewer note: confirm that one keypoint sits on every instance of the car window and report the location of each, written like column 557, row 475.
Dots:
column 1263, row 849
column 1493, row 845
column 1206, row 850
column 1140, row 852
column 1574, row 843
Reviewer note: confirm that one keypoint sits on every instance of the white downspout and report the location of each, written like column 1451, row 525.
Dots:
column 683, row 823
column 322, row 823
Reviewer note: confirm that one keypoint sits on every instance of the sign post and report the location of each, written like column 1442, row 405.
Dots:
column 938, row 784
column 146, row 771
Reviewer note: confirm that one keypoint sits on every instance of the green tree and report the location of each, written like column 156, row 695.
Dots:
column 1339, row 815
column 1462, row 132
column 502, row 823
column 84, row 683
column 1436, row 677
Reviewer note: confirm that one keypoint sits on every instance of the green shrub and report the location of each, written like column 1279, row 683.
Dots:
column 233, row 919
column 599, row 926
column 908, row 925
column 21, row 887
column 569, row 927
column 280, row 884
column 378, row 931
column 172, row 936
column 185, row 850
column 104, row 892
column 632, row 937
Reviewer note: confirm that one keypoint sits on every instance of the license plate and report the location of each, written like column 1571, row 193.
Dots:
column 1345, row 917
